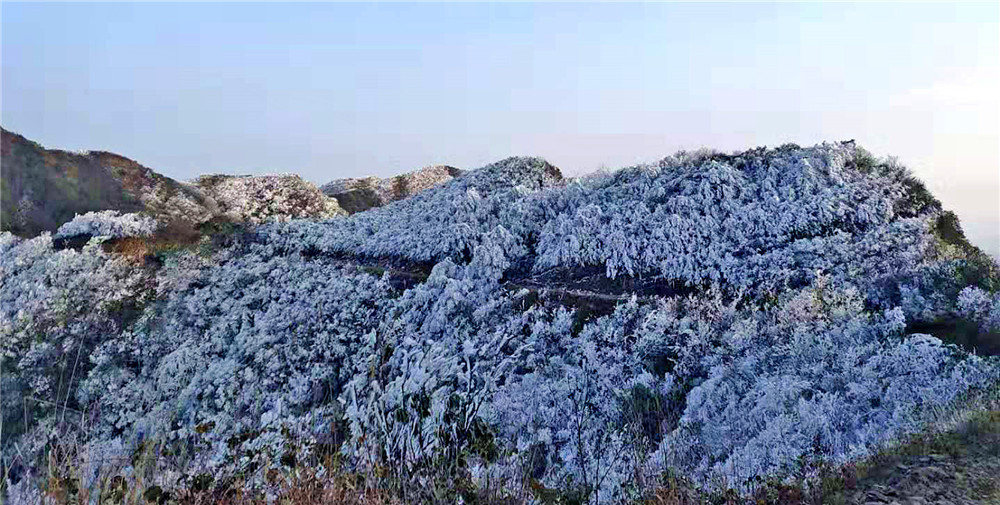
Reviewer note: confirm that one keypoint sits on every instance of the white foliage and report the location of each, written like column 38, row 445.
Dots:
column 267, row 198
column 803, row 268
column 55, row 308
column 447, row 221
column 108, row 223
column 817, row 378
column 252, row 347
column 981, row 307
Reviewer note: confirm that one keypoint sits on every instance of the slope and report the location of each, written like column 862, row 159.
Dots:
column 360, row 194
column 42, row 189
column 744, row 318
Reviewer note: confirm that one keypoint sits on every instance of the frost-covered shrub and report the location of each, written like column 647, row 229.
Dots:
column 753, row 224
column 108, row 223
column 739, row 394
column 804, row 267
column 447, row 221
column 56, row 307
column 757, row 220
column 440, row 356
column 980, row 307
column 358, row 195
column 816, row 378
column 562, row 413
column 245, row 362
column 266, row 198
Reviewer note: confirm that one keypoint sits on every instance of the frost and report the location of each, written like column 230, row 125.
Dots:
column 768, row 328
column 266, row 198
column 108, row 223
column 981, row 307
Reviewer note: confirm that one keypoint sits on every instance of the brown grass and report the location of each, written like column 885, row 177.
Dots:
column 300, row 487
column 134, row 248
column 305, row 490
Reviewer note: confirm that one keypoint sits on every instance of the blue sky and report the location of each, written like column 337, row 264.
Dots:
column 331, row 90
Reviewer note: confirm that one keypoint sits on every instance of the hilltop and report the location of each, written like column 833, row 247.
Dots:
column 360, row 194
column 724, row 324
column 42, row 189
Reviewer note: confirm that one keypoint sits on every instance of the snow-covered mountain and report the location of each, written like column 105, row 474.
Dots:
column 728, row 318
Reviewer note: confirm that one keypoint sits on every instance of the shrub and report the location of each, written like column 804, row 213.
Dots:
column 278, row 350
column 108, row 223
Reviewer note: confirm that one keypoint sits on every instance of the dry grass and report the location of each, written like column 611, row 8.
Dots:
column 306, row 490
column 967, row 434
column 172, row 237
column 304, row 487
column 134, row 248
column 301, row 487
column 131, row 482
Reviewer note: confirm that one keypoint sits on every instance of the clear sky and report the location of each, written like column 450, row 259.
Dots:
column 331, row 90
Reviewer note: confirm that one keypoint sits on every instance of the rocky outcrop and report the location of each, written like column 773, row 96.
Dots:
column 360, row 194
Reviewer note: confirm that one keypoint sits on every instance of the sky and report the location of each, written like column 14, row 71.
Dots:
column 332, row 90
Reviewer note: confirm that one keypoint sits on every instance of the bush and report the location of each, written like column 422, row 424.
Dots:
column 108, row 223
column 278, row 350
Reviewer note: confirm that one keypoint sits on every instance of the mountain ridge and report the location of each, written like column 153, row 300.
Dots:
column 363, row 193
column 46, row 188
column 734, row 319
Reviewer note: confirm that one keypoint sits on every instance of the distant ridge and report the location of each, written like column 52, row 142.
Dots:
column 45, row 188
column 360, row 194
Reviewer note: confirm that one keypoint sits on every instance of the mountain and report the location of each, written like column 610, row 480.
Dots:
column 42, row 189
column 747, row 327
column 360, row 194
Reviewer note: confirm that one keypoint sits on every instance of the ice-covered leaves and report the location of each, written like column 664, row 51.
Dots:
column 265, row 198
column 725, row 396
column 818, row 377
column 980, row 307
column 251, row 356
column 108, row 223
column 751, row 224
column 803, row 268
column 56, row 307
column 442, row 222
column 756, row 222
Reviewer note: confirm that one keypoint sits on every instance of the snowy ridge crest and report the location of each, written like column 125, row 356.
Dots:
column 728, row 317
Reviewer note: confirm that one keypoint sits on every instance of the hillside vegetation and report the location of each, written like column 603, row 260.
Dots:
column 43, row 189
column 735, row 322
column 358, row 195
